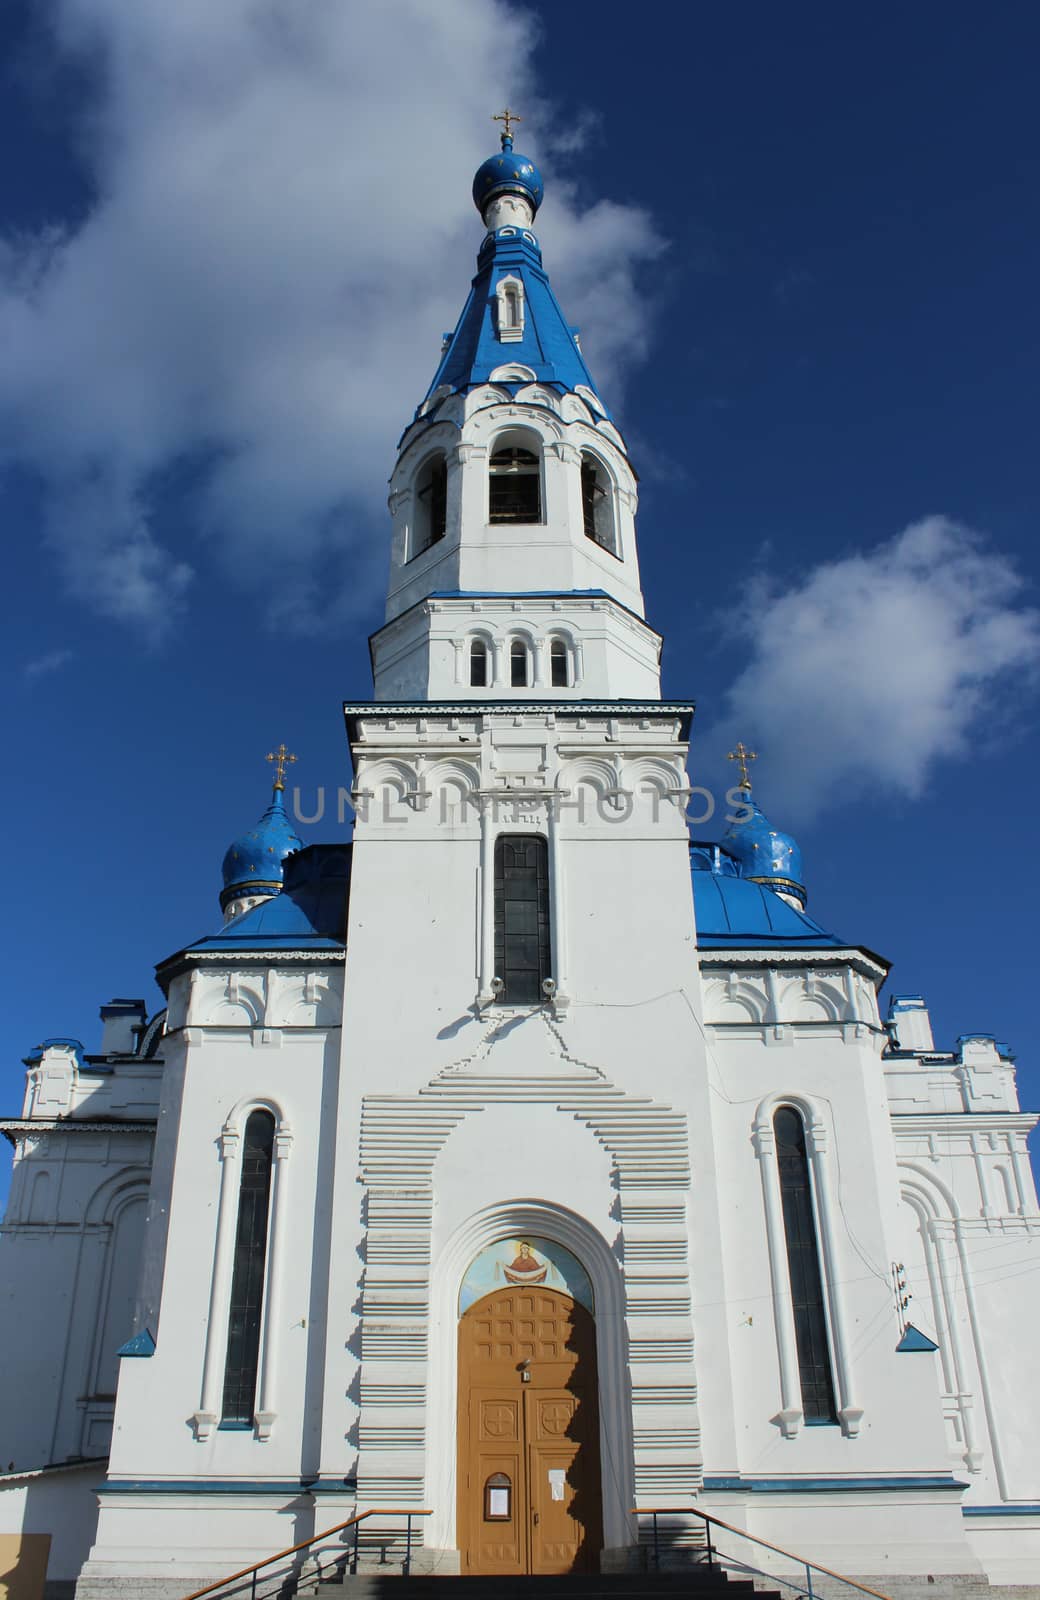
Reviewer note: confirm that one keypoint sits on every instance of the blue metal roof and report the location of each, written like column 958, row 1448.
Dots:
column 733, row 913
column 549, row 344
column 309, row 914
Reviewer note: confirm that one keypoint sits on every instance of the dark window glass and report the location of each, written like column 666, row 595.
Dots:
column 247, row 1277
column 518, row 664
column 558, row 664
column 803, row 1263
column 514, row 492
column 478, row 664
column 522, row 957
column 595, row 506
column 432, row 520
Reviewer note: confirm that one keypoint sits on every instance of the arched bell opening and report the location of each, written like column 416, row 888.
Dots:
column 515, row 478
column 528, row 1476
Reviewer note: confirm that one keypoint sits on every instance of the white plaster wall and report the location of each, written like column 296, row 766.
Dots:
column 62, row 1293
column 231, row 1062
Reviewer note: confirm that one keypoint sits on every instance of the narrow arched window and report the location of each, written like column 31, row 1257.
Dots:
column 518, row 664
column 522, row 954
column 431, row 504
column 803, row 1265
column 559, row 675
column 247, row 1276
column 511, row 297
column 597, row 504
column 514, row 487
column 478, row 664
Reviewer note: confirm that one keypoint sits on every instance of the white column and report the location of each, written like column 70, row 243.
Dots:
column 557, row 907
column 849, row 1413
column 208, row 1414
column 487, row 899
column 265, row 1413
column 790, row 1416
column 981, row 1362
column 965, row 1400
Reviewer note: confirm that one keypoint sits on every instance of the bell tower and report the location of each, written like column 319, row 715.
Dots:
column 513, row 567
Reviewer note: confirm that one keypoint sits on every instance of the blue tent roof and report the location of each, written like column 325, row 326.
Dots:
column 309, row 914
column 733, row 913
column 549, row 344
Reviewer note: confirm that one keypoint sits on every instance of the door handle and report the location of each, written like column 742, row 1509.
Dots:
column 536, row 1518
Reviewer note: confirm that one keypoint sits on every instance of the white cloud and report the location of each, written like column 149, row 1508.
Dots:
column 44, row 665
column 868, row 671
column 254, row 303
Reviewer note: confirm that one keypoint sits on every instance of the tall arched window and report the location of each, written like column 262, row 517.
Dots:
column 518, row 664
column 431, row 504
column 247, row 1277
column 478, row 664
column 514, row 486
column 522, row 954
column 597, row 504
column 559, row 666
column 803, row 1265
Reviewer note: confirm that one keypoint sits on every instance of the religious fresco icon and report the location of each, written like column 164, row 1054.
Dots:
column 525, row 1262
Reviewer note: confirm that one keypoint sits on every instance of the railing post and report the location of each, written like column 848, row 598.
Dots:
column 657, row 1548
column 407, row 1572
column 808, row 1580
column 252, row 1587
column 357, row 1537
column 711, row 1552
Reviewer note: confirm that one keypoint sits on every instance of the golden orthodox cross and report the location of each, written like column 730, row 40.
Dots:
column 743, row 756
column 508, row 117
column 281, row 759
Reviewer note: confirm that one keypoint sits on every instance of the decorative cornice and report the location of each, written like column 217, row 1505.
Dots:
column 946, row 1122
column 15, row 1128
column 804, row 956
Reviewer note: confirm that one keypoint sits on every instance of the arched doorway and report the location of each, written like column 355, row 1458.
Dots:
column 529, row 1496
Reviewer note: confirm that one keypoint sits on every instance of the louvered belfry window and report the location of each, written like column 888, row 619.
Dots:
column 803, row 1263
column 522, row 955
column 514, row 487
column 247, row 1277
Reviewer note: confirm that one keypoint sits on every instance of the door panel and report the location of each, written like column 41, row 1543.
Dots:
column 528, row 1411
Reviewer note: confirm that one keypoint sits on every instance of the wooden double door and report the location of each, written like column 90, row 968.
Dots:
column 529, row 1497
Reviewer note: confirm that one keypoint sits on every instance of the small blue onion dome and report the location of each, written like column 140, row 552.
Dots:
column 253, row 863
column 507, row 173
column 765, row 854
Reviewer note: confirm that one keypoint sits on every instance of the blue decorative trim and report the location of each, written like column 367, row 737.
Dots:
column 1017, row 1510
column 205, row 1486
column 75, row 1045
column 142, row 1344
column 833, row 1485
column 914, row 1340
column 234, row 1427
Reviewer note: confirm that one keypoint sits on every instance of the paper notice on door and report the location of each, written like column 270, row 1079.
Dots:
column 557, row 1479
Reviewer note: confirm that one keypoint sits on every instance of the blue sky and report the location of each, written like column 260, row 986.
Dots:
column 803, row 248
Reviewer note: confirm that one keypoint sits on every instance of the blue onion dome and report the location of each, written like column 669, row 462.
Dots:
column 507, row 173
column 763, row 853
column 253, row 863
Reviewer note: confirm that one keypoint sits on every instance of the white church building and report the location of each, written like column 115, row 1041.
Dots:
column 521, row 1163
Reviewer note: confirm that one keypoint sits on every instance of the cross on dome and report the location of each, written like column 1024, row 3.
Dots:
column 508, row 117
column 743, row 756
column 281, row 758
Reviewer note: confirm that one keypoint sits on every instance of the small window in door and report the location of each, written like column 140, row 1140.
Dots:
column 498, row 1498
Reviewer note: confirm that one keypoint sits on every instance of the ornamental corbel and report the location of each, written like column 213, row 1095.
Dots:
column 203, row 1422
column 850, row 1418
column 264, row 1421
column 789, row 1421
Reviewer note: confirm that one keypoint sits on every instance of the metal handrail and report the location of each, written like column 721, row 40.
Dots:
column 716, row 1522
column 351, row 1522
